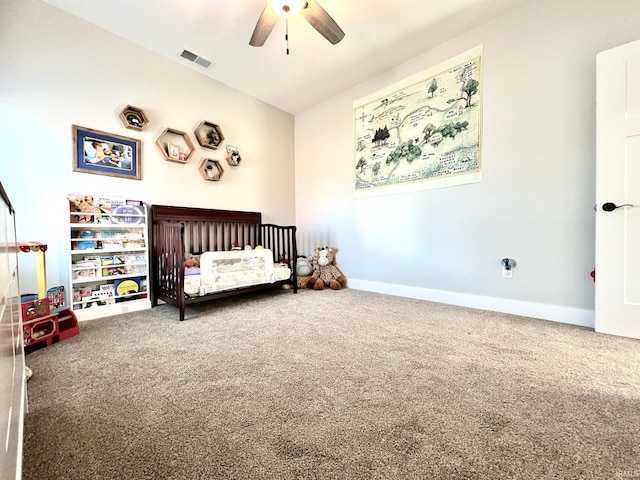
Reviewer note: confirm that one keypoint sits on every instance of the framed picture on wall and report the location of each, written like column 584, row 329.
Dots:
column 105, row 153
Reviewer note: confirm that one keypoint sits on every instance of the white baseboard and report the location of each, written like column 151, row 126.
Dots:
column 555, row 313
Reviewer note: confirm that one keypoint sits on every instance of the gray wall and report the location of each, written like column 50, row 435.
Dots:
column 535, row 203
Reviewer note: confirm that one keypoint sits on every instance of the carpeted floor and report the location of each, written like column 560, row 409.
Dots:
column 333, row 385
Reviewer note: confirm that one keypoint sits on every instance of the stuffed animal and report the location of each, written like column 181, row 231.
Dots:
column 304, row 267
column 192, row 261
column 326, row 274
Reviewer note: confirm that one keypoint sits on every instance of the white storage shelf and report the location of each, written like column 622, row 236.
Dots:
column 109, row 263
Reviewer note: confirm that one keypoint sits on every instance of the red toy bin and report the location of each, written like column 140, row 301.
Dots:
column 67, row 324
column 40, row 329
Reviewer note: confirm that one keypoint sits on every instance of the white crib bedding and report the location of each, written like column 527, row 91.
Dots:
column 221, row 271
column 192, row 285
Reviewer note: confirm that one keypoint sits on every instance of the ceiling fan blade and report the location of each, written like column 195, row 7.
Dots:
column 322, row 21
column 265, row 24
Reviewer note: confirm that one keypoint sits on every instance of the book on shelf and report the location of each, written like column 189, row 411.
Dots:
column 85, row 240
column 114, row 270
column 134, row 268
column 107, row 260
column 83, row 208
column 127, row 286
column 84, row 245
column 105, row 295
column 131, row 258
column 80, row 293
column 122, row 270
column 128, row 214
column 106, row 203
column 110, row 234
column 133, row 236
column 83, row 269
column 86, row 297
column 97, row 299
column 112, row 244
column 85, row 274
column 133, row 243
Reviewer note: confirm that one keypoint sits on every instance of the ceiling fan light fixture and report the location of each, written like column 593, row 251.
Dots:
column 310, row 10
column 287, row 8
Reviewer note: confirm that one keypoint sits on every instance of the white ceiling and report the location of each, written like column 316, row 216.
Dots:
column 379, row 35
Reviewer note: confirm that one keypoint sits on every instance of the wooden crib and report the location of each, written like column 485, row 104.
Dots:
column 178, row 231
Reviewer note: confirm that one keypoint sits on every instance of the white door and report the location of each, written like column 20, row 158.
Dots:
column 617, row 305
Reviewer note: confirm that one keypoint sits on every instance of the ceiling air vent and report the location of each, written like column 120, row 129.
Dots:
column 194, row 58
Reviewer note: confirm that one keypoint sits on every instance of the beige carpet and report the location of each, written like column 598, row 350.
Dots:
column 333, row 385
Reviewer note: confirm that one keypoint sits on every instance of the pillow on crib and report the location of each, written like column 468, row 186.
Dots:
column 191, row 271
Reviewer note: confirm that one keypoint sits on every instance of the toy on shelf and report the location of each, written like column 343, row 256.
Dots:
column 46, row 316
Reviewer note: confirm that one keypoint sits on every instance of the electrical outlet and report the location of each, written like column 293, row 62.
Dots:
column 507, row 272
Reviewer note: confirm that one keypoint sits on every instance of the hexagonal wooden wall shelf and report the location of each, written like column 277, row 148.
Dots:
column 211, row 169
column 133, row 118
column 209, row 135
column 175, row 145
column 233, row 156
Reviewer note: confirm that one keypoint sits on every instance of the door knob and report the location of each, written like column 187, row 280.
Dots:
column 610, row 206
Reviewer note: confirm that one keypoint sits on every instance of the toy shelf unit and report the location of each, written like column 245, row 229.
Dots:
column 109, row 257
column 46, row 316
column 47, row 320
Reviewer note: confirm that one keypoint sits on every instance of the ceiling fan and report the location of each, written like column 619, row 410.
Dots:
column 309, row 9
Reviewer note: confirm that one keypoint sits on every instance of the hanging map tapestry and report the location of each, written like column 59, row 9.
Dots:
column 423, row 132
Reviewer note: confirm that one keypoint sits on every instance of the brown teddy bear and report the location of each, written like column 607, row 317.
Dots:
column 326, row 274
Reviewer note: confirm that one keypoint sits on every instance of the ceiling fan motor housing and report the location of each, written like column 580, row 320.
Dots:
column 288, row 8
